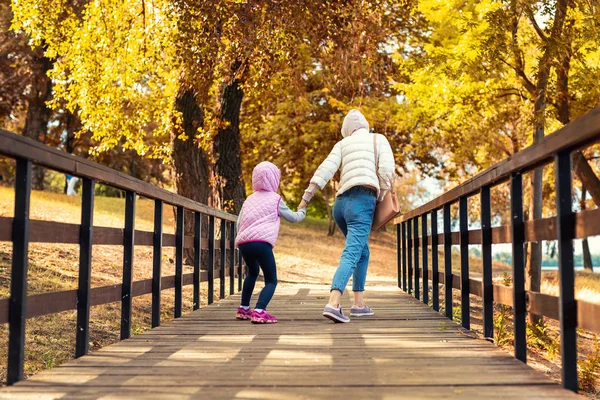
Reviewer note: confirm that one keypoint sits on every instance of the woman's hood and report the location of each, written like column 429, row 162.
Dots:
column 352, row 122
column 265, row 177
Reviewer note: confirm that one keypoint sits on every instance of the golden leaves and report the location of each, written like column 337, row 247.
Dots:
column 114, row 64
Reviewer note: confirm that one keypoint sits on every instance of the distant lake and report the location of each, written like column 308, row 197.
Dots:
column 577, row 268
column 555, row 267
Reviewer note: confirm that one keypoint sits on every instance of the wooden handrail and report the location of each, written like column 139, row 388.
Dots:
column 18, row 146
column 582, row 131
column 587, row 223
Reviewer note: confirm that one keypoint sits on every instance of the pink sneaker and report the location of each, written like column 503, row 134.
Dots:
column 262, row 317
column 243, row 314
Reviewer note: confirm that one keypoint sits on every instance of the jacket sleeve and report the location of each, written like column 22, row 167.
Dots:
column 386, row 165
column 289, row 215
column 326, row 170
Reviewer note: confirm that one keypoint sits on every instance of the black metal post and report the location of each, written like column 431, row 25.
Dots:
column 157, row 262
column 566, row 271
column 464, row 263
column 232, row 259
column 211, row 259
column 222, row 260
column 416, row 251
column 399, row 255
column 518, row 240
column 404, row 267
column 409, row 255
column 425, row 263
column 82, row 337
column 17, row 313
column 197, row 258
column 447, row 261
column 435, row 284
column 486, row 253
column 128, row 243
column 179, row 236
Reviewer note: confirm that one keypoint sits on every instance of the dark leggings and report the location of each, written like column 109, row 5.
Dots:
column 259, row 254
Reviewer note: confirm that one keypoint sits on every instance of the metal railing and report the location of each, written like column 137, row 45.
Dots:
column 22, row 231
column 565, row 227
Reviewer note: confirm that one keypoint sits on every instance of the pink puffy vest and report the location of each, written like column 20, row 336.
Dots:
column 260, row 212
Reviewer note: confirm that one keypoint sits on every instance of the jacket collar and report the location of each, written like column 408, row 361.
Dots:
column 360, row 131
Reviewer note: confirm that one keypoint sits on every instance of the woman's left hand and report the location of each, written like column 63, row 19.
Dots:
column 302, row 204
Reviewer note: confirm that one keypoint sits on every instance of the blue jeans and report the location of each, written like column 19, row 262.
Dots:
column 353, row 214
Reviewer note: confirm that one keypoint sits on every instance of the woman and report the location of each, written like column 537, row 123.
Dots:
column 363, row 183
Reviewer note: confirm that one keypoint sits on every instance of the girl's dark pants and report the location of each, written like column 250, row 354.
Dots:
column 259, row 254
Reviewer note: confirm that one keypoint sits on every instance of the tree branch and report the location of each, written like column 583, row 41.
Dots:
column 519, row 66
column 529, row 86
column 502, row 147
column 507, row 92
column 537, row 28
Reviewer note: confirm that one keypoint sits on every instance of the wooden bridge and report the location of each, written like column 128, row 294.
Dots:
column 407, row 350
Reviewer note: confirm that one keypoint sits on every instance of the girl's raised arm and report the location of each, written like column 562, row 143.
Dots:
column 289, row 215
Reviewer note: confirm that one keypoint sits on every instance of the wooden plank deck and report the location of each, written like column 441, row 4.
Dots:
column 405, row 351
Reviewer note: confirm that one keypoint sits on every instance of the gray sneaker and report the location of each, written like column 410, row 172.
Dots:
column 361, row 312
column 335, row 314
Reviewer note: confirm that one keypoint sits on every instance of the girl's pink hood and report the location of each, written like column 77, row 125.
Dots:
column 265, row 177
column 260, row 212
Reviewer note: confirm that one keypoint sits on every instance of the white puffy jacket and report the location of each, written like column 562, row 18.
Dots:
column 355, row 155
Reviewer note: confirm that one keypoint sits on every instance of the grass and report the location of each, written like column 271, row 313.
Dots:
column 304, row 253
column 108, row 211
column 587, row 285
column 589, row 368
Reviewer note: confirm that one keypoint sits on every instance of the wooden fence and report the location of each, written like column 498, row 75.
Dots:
column 22, row 231
column 565, row 227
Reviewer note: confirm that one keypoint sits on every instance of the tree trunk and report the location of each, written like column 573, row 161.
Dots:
column 587, row 255
column 38, row 113
column 534, row 256
column 533, row 268
column 331, row 227
column 588, row 264
column 190, row 161
column 588, row 177
column 330, row 221
column 581, row 167
column 72, row 125
column 534, row 249
column 226, row 150
column 69, row 148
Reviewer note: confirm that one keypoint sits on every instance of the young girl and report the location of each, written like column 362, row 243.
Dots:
column 258, row 228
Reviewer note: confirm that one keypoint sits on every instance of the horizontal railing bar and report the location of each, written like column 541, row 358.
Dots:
column 18, row 146
column 580, row 132
column 64, row 233
column 59, row 232
column 588, row 314
column 543, row 304
column 586, row 225
column 56, row 302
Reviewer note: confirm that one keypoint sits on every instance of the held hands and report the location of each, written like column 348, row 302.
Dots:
column 302, row 204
